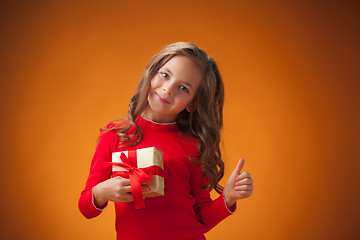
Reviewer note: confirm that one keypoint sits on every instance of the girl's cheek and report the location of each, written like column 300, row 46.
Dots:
column 155, row 82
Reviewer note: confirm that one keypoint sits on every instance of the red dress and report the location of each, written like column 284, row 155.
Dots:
column 186, row 211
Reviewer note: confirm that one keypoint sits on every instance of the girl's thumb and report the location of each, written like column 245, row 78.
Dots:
column 239, row 166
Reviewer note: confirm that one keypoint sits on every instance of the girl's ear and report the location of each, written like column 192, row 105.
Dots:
column 190, row 108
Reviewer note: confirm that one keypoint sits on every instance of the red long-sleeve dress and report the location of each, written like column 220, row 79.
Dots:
column 186, row 211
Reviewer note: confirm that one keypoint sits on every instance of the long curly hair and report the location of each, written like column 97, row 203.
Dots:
column 203, row 124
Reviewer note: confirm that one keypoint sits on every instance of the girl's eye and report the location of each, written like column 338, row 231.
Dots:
column 165, row 75
column 184, row 89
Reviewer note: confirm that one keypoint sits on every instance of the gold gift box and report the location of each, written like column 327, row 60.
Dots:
column 146, row 157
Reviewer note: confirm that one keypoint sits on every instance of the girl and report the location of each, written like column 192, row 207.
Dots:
column 177, row 109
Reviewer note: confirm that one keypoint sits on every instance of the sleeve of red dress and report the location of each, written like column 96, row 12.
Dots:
column 209, row 212
column 99, row 172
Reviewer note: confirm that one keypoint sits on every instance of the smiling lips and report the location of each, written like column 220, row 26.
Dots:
column 163, row 100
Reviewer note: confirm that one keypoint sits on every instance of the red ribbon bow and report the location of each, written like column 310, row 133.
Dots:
column 136, row 175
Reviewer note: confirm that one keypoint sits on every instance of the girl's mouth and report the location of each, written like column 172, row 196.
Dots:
column 163, row 100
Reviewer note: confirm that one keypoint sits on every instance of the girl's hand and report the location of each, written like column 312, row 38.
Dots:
column 239, row 186
column 116, row 189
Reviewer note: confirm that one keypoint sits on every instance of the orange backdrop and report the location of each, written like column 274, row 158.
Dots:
column 290, row 70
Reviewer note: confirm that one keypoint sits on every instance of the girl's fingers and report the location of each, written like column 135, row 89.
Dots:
column 145, row 189
column 144, row 183
column 126, row 189
column 245, row 181
column 121, row 181
column 125, row 182
column 244, row 188
column 244, row 194
column 243, row 175
column 127, row 197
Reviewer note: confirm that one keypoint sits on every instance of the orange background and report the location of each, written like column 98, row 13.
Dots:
column 291, row 74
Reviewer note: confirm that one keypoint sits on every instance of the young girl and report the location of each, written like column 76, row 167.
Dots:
column 177, row 109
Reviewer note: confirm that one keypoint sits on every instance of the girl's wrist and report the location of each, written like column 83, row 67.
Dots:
column 228, row 201
column 99, row 201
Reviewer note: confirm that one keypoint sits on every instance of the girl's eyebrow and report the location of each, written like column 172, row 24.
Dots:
column 187, row 84
column 168, row 71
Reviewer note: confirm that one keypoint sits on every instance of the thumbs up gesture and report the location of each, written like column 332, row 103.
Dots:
column 239, row 186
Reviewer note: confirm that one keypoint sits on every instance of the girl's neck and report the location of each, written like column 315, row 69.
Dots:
column 160, row 119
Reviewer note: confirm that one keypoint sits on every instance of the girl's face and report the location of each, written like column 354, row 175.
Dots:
column 172, row 89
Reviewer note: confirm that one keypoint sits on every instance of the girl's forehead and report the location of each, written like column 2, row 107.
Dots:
column 182, row 66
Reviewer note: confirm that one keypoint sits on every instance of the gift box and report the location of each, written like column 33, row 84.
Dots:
column 144, row 164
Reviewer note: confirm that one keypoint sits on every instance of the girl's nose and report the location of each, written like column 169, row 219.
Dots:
column 169, row 87
column 168, row 91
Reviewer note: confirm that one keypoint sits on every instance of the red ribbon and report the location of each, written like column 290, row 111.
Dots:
column 136, row 175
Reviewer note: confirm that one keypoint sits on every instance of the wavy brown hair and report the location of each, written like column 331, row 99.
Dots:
column 204, row 123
